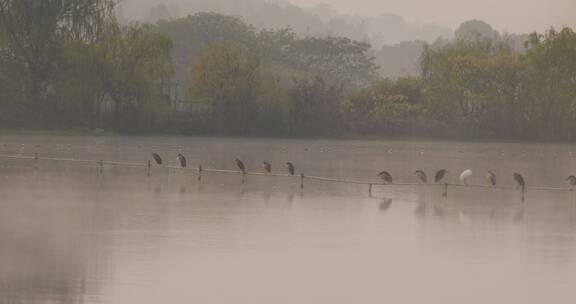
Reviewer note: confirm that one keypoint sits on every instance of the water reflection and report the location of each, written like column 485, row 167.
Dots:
column 385, row 204
column 70, row 235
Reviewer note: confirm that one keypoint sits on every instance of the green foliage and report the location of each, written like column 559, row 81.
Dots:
column 476, row 30
column 485, row 89
column 551, row 81
column 76, row 66
column 400, row 59
column 316, row 107
column 390, row 107
column 258, row 82
column 136, row 67
column 33, row 32
column 337, row 58
column 68, row 63
column 191, row 36
column 226, row 78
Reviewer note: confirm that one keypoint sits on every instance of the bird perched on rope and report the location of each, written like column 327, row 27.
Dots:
column 571, row 180
column 491, row 178
column 421, row 175
column 268, row 167
column 440, row 175
column 157, row 158
column 291, row 168
column 520, row 180
column 182, row 160
column 465, row 175
column 241, row 166
column 385, row 176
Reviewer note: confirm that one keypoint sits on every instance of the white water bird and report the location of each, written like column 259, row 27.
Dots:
column 465, row 175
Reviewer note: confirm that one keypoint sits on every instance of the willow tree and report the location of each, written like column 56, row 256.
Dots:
column 136, row 66
column 34, row 33
column 226, row 78
column 551, row 102
column 477, row 86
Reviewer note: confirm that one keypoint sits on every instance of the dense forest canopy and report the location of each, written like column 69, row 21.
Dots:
column 74, row 64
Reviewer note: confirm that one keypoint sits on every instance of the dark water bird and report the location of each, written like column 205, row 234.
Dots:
column 268, row 167
column 421, row 176
column 520, row 180
column 491, row 178
column 465, row 175
column 157, row 158
column 571, row 180
column 241, row 166
column 182, row 160
column 387, row 177
column 440, row 175
column 291, row 168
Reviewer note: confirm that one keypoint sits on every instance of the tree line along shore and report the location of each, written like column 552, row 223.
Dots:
column 74, row 66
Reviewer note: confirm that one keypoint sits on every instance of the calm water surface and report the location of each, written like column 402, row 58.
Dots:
column 68, row 235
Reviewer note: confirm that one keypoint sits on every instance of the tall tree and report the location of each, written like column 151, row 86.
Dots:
column 226, row 78
column 33, row 32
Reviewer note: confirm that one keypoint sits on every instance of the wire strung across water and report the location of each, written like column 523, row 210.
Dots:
column 303, row 177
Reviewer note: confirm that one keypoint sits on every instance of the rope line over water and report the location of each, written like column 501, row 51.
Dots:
column 200, row 170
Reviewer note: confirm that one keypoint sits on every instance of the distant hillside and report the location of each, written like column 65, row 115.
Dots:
column 321, row 20
column 396, row 43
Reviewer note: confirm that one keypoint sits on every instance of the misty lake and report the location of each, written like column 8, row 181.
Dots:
column 70, row 235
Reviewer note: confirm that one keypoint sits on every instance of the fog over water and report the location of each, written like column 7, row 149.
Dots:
column 287, row 151
column 70, row 235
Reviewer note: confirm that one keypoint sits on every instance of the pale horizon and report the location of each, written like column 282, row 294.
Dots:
column 514, row 16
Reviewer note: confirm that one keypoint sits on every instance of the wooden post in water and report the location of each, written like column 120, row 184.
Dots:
column 445, row 194
column 36, row 161
column 370, row 190
column 302, row 181
column 200, row 173
column 101, row 170
column 149, row 167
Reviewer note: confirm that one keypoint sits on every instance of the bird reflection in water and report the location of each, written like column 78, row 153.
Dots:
column 420, row 209
column 439, row 211
column 519, row 216
column 183, row 190
column 266, row 196
column 385, row 204
column 158, row 189
column 290, row 198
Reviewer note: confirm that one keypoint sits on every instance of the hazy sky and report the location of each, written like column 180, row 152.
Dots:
column 507, row 15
